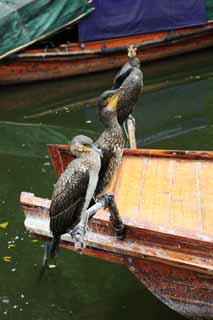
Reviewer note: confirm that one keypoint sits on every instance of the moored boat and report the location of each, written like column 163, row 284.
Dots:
column 165, row 200
column 99, row 42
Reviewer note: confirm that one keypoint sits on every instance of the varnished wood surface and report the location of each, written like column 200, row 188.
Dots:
column 167, row 195
column 185, row 291
column 161, row 190
column 99, row 236
column 180, row 278
column 165, row 199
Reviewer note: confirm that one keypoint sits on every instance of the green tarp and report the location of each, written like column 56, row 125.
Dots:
column 209, row 8
column 23, row 22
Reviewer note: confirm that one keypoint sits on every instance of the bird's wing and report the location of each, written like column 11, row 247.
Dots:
column 122, row 75
column 68, row 199
column 104, row 171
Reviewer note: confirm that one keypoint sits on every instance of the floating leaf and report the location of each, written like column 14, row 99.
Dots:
column 11, row 246
column 34, row 241
column 5, row 300
column 52, row 266
column 4, row 225
column 7, row 258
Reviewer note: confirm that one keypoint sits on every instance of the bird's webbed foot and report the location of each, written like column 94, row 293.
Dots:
column 77, row 235
column 47, row 251
column 109, row 202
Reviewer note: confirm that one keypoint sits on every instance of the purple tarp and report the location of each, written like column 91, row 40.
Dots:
column 120, row 18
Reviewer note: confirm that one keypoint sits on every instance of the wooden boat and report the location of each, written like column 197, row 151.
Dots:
column 165, row 199
column 72, row 59
column 94, row 36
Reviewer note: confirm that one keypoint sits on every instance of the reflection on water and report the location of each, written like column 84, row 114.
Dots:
column 31, row 139
column 170, row 117
column 177, row 116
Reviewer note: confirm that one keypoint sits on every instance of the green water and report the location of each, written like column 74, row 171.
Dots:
column 177, row 116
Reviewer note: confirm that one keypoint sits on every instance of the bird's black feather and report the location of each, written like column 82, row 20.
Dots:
column 111, row 142
column 68, row 198
column 121, row 76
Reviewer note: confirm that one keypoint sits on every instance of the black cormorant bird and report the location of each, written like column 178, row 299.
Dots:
column 74, row 191
column 111, row 142
column 130, row 78
column 133, row 63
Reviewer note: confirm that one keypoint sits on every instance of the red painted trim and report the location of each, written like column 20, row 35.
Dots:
column 102, row 55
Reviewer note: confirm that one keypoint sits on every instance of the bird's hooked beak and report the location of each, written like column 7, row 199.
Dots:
column 132, row 51
column 82, row 148
column 79, row 148
column 99, row 151
column 113, row 100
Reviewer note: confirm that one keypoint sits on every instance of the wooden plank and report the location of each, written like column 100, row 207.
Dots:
column 56, row 159
column 162, row 190
column 184, row 196
column 39, row 207
column 174, row 154
column 107, row 243
column 155, row 195
column 206, row 185
column 128, row 187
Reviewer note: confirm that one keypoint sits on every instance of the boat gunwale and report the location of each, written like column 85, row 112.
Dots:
column 159, row 153
column 30, row 200
column 108, row 46
column 152, row 251
column 33, row 65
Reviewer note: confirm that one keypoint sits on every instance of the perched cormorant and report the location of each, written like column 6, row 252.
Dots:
column 133, row 62
column 74, row 191
column 111, row 141
column 132, row 84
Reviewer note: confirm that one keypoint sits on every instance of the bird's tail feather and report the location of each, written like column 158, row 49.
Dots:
column 54, row 246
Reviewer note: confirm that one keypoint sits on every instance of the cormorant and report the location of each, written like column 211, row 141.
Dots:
column 74, row 191
column 130, row 78
column 111, row 141
column 133, row 62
